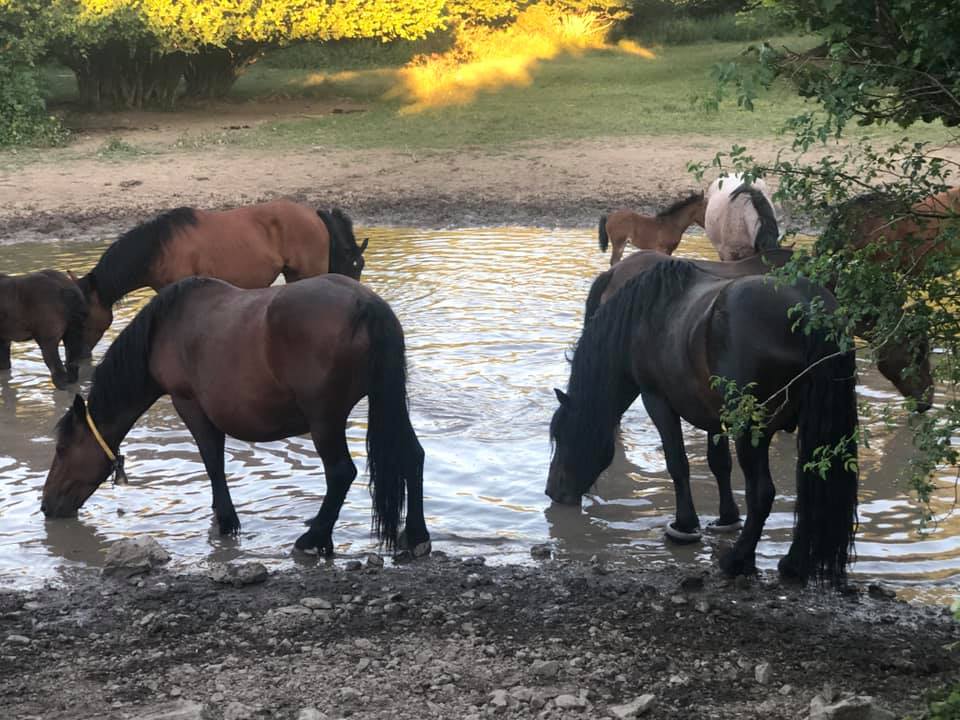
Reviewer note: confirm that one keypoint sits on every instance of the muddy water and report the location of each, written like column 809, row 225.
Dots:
column 489, row 315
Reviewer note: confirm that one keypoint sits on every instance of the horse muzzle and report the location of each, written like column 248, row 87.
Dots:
column 61, row 508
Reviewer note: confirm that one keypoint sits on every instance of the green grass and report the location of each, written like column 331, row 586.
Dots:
column 599, row 94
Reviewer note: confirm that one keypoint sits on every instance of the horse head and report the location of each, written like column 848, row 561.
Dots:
column 79, row 466
column 907, row 366
column 99, row 313
column 575, row 465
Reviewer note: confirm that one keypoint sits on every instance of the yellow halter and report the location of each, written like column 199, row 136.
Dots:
column 116, row 461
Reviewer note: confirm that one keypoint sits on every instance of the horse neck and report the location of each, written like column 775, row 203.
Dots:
column 115, row 421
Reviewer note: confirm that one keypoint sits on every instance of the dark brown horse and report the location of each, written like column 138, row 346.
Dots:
column 664, row 336
column 661, row 232
column 247, row 247
column 905, row 362
column 301, row 356
column 48, row 307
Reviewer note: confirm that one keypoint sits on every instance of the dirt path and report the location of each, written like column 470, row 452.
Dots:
column 543, row 184
column 451, row 638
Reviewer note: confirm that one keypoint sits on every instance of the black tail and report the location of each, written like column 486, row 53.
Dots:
column 768, row 236
column 394, row 455
column 597, row 289
column 826, row 511
column 603, row 233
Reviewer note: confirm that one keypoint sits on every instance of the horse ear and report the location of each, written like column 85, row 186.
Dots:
column 562, row 396
column 363, row 245
column 79, row 407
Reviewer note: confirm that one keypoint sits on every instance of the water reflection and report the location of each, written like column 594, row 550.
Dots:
column 489, row 316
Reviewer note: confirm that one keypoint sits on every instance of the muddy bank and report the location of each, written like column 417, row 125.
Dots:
column 452, row 638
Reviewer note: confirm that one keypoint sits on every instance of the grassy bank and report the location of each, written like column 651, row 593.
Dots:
column 571, row 97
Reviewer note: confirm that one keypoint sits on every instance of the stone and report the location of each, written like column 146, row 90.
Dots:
column 133, row 556
column 499, row 699
column 237, row 711
column 545, row 668
column 316, row 603
column 569, row 702
column 310, row 713
column 541, row 552
column 762, row 673
column 703, row 605
column 18, row 639
column 786, row 689
column 238, row 574
column 352, row 565
column 179, row 710
column 879, row 592
column 635, row 707
column 374, row 560
column 858, row 707
column 678, row 600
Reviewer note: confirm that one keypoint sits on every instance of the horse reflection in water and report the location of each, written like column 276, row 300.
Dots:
column 258, row 365
column 664, row 336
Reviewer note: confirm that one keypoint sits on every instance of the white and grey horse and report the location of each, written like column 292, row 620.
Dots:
column 739, row 218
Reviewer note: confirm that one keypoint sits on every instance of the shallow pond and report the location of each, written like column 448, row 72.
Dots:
column 489, row 315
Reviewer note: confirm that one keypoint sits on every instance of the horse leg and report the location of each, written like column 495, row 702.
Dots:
column 4, row 354
column 340, row 472
column 414, row 540
column 209, row 440
column 718, row 457
column 686, row 526
column 618, row 245
column 755, row 463
column 74, row 348
column 50, row 349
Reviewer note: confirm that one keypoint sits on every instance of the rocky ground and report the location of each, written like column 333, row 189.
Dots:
column 450, row 637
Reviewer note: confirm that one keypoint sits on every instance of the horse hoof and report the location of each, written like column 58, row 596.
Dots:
column 681, row 536
column 714, row 526
column 789, row 571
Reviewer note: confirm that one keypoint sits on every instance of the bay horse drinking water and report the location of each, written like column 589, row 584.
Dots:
column 301, row 356
column 739, row 218
column 904, row 361
column 247, row 247
column 661, row 232
column 663, row 336
column 48, row 307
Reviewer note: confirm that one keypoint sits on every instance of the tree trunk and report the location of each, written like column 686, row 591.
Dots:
column 117, row 76
column 212, row 71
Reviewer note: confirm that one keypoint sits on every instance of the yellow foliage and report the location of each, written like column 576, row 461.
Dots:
column 487, row 59
column 186, row 24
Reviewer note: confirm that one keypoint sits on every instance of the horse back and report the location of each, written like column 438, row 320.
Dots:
column 751, row 336
column 38, row 305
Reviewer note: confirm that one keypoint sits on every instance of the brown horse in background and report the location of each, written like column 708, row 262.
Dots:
column 895, row 359
column 892, row 229
column 247, row 247
column 301, row 356
column 48, row 307
column 661, row 232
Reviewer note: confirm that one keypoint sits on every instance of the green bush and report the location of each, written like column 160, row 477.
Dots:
column 360, row 54
column 24, row 119
column 756, row 24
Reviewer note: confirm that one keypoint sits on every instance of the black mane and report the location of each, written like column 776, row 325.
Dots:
column 123, row 376
column 680, row 205
column 768, row 236
column 123, row 265
column 340, row 227
column 596, row 385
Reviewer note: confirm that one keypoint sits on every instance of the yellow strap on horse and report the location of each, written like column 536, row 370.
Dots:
column 99, row 438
